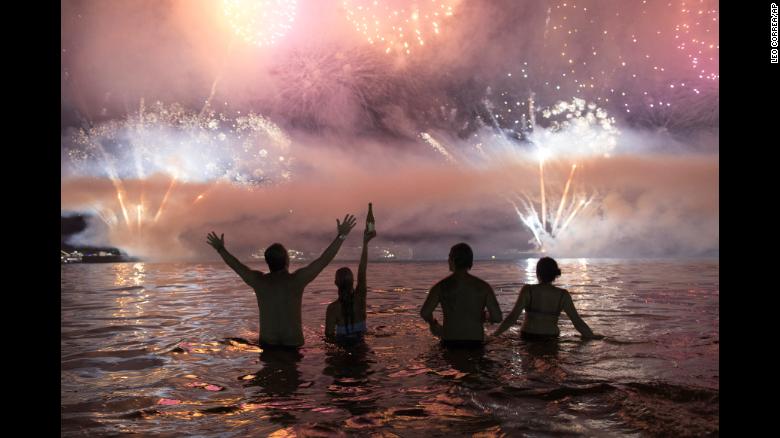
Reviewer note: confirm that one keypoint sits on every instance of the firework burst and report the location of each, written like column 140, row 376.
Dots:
column 336, row 87
column 555, row 139
column 260, row 22
column 398, row 27
column 187, row 147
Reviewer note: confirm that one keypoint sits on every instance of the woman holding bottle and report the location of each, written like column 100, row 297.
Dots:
column 345, row 318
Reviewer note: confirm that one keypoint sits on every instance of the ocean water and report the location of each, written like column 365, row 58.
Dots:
column 166, row 350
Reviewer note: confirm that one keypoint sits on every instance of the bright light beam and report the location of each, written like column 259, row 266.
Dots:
column 563, row 198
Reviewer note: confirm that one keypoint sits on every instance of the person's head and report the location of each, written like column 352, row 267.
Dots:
column 461, row 257
column 344, row 279
column 277, row 258
column 547, row 270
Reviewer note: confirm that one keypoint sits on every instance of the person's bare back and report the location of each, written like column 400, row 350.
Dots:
column 463, row 298
column 543, row 304
column 279, row 295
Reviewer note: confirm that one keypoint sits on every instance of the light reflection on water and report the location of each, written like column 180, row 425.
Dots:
column 134, row 335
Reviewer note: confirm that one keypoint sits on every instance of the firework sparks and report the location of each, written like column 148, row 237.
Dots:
column 398, row 29
column 566, row 131
column 139, row 214
column 122, row 206
column 696, row 35
column 326, row 86
column 563, row 197
column 437, row 146
column 108, row 217
column 246, row 150
column 579, row 206
column 165, row 199
column 541, row 190
column 260, row 22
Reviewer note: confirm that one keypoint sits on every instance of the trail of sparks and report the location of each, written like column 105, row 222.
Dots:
column 122, row 206
column 527, row 221
column 438, row 146
column 165, row 199
column 103, row 217
column 139, row 212
column 217, row 78
column 541, row 188
column 563, row 197
column 583, row 203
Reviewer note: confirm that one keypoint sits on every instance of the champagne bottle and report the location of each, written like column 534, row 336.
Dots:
column 370, row 223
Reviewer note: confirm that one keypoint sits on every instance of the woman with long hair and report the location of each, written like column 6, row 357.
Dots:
column 345, row 318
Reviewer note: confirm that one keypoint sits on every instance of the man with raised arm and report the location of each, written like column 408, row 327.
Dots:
column 279, row 292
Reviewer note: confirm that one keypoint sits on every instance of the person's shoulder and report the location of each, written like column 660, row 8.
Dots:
column 299, row 275
column 444, row 282
column 256, row 277
column 482, row 284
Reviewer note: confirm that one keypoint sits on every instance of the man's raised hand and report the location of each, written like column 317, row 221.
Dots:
column 345, row 227
column 217, row 242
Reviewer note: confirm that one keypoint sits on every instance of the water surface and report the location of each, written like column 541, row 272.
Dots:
column 158, row 349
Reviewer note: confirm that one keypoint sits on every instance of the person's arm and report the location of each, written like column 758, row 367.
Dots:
column 362, row 267
column 522, row 301
column 492, row 305
column 249, row 276
column 427, row 311
column 579, row 324
column 310, row 272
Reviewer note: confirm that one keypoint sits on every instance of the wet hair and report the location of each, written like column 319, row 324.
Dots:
column 344, row 279
column 276, row 257
column 547, row 270
column 461, row 255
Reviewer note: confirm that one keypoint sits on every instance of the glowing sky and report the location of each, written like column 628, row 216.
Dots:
column 351, row 103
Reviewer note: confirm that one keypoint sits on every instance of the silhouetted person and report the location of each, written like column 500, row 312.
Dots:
column 345, row 318
column 279, row 292
column 543, row 303
column 463, row 298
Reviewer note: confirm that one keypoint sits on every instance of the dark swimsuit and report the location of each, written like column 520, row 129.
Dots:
column 352, row 334
column 530, row 310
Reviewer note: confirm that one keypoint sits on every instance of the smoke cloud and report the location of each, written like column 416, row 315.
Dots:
column 652, row 205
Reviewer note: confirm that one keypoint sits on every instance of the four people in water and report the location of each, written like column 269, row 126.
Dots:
column 467, row 302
